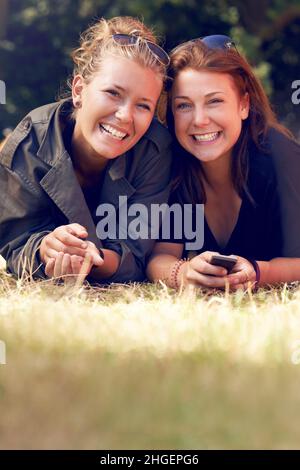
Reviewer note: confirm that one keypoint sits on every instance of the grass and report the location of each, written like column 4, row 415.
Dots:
column 139, row 366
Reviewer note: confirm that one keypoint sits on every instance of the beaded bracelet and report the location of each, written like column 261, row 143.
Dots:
column 174, row 273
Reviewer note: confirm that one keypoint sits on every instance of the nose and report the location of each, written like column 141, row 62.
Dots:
column 201, row 118
column 124, row 113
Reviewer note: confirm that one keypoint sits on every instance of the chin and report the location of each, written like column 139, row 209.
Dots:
column 206, row 158
column 104, row 152
column 108, row 156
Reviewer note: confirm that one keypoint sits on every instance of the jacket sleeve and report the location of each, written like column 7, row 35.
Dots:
column 25, row 219
column 151, row 183
column 286, row 157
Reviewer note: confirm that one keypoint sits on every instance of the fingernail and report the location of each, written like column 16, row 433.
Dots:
column 84, row 245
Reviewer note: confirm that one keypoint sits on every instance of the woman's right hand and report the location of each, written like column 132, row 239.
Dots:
column 67, row 239
column 200, row 273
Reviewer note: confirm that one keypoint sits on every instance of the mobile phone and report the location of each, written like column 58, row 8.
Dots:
column 226, row 262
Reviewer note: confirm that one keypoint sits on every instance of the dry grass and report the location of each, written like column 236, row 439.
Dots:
column 142, row 367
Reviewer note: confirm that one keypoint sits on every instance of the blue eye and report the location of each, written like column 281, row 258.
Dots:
column 215, row 101
column 183, row 106
column 113, row 92
column 144, row 106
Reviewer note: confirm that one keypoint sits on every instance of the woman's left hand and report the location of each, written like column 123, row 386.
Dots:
column 243, row 273
column 69, row 267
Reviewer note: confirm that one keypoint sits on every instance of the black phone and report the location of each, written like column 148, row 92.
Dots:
column 226, row 262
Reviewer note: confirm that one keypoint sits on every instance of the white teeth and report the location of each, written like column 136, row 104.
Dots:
column 206, row 137
column 113, row 132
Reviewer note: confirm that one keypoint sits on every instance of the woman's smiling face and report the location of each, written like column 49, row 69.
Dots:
column 116, row 107
column 208, row 113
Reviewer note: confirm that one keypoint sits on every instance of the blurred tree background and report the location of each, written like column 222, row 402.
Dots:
column 36, row 37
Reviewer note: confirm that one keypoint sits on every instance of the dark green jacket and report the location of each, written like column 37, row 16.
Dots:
column 40, row 191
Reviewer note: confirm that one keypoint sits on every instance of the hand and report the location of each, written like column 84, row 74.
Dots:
column 68, row 239
column 69, row 266
column 65, row 239
column 64, row 264
column 243, row 274
column 199, row 272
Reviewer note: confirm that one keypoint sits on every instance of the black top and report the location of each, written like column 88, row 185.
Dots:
column 257, row 233
column 285, row 155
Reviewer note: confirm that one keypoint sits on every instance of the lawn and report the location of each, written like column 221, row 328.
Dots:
column 140, row 366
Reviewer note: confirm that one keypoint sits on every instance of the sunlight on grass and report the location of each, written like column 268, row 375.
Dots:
column 151, row 319
column 140, row 367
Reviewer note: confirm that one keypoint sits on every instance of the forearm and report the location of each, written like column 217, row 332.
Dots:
column 109, row 267
column 163, row 267
column 25, row 259
column 279, row 270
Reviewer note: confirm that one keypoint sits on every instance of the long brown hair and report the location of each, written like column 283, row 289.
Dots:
column 187, row 169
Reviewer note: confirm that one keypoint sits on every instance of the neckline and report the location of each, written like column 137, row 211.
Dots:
column 225, row 247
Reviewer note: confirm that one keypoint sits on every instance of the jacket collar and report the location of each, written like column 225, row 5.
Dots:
column 51, row 150
column 61, row 185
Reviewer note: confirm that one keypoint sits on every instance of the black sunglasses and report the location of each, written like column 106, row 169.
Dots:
column 130, row 40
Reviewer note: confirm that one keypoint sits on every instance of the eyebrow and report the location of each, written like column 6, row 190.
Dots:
column 208, row 95
column 124, row 90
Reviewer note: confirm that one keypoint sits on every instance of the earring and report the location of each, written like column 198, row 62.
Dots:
column 77, row 104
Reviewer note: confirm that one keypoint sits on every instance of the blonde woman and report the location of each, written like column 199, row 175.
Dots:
column 66, row 159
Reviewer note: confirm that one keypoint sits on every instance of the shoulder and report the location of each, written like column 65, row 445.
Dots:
column 32, row 131
column 150, row 158
column 43, row 114
column 158, row 135
column 284, row 154
column 152, row 150
column 281, row 147
column 275, row 161
column 275, row 149
column 260, row 160
column 262, row 174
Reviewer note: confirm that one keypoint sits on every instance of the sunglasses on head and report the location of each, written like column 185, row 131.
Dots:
column 218, row 41
column 214, row 41
column 130, row 40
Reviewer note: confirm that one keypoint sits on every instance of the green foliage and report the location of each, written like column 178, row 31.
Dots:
column 36, row 37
